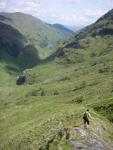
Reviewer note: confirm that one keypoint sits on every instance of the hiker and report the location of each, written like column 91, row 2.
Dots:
column 86, row 117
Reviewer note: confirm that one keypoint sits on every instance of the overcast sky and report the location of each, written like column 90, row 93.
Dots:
column 67, row 12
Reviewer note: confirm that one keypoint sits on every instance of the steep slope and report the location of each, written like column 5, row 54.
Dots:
column 14, row 48
column 37, row 32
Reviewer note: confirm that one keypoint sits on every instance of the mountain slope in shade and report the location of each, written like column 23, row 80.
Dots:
column 15, row 49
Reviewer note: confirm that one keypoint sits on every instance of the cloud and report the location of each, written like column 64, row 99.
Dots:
column 76, row 17
column 27, row 6
column 2, row 5
column 108, row 0
column 53, row 14
column 30, row 7
column 87, row 13
column 73, row 1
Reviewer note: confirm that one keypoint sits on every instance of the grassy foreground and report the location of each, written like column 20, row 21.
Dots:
column 36, row 115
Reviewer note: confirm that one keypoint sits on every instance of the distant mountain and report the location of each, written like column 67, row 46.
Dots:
column 75, row 28
column 62, row 29
column 37, row 32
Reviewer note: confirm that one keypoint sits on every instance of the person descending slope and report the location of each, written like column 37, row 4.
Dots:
column 86, row 117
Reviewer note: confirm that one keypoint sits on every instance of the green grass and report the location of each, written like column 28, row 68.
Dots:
column 105, row 107
column 29, row 119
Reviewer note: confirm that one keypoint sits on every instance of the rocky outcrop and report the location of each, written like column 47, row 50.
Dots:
column 89, row 141
column 21, row 80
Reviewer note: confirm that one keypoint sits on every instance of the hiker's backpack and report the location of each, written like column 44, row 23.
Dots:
column 85, row 116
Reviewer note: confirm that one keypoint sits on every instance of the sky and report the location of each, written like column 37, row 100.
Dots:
column 67, row 12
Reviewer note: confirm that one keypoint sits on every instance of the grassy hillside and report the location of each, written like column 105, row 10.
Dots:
column 37, row 32
column 36, row 113
column 46, row 112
